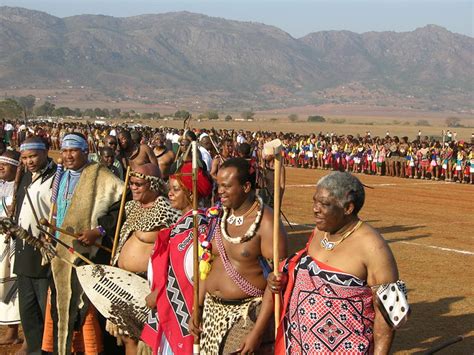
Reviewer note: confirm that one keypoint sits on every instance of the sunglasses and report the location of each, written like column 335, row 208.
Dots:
column 137, row 184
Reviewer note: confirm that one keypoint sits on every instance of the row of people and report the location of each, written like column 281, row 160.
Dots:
column 237, row 249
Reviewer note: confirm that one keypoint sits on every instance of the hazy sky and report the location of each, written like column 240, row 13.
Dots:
column 297, row 17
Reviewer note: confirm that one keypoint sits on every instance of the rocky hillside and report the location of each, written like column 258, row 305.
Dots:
column 234, row 63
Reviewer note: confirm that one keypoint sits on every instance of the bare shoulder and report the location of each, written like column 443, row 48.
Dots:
column 371, row 238
column 377, row 256
column 146, row 148
column 266, row 224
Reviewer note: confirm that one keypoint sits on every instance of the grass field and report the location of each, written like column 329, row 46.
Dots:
column 429, row 227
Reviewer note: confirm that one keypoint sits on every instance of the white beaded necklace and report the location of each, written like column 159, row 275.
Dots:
column 250, row 232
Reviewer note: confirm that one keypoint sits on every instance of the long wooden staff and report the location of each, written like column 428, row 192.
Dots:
column 60, row 242
column 196, row 346
column 216, row 149
column 53, row 229
column 120, row 216
column 276, row 145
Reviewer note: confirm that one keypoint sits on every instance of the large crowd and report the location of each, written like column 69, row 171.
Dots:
column 135, row 199
column 442, row 159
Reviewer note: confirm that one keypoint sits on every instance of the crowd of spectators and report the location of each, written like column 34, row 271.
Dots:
column 446, row 159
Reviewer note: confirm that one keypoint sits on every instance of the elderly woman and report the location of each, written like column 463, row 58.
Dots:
column 171, row 268
column 340, row 293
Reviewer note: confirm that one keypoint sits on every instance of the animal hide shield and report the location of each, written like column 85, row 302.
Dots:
column 117, row 294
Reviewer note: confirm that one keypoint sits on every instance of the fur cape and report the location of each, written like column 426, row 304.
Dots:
column 97, row 190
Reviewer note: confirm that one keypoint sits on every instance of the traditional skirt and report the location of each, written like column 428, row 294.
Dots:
column 227, row 322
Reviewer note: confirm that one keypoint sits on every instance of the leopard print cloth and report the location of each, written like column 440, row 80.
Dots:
column 161, row 214
column 227, row 323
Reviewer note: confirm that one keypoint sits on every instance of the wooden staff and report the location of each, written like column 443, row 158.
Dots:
column 274, row 147
column 119, row 221
column 196, row 346
column 68, row 247
column 217, row 149
column 38, row 225
column 53, row 228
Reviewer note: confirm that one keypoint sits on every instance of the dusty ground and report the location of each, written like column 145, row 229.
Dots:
column 429, row 227
column 418, row 219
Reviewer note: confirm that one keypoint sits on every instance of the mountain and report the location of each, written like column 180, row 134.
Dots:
column 232, row 63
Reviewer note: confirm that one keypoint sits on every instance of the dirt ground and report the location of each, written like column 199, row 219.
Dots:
column 429, row 227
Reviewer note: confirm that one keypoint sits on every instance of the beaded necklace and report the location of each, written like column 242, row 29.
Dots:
column 250, row 232
column 239, row 220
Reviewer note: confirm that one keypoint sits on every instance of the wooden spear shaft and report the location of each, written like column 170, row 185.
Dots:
column 120, row 216
column 196, row 345
column 276, row 227
column 53, row 229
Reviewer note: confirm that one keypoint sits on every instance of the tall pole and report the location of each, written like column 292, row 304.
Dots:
column 276, row 146
column 196, row 346
column 120, row 216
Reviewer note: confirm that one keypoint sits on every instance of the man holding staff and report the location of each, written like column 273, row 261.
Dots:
column 33, row 277
column 241, row 239
column 86, row 197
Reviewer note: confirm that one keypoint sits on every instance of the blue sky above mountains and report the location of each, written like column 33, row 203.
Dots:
column 297, row 17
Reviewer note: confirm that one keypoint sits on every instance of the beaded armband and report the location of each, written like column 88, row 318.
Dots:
column 101, row 230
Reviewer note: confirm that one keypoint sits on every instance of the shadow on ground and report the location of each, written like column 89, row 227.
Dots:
column 429, row 325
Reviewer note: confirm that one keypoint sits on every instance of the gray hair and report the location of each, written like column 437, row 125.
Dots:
column 345, row 188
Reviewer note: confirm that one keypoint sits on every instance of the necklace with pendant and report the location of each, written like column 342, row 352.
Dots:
column 327, row 245
column 252, row 229
column 239, row 220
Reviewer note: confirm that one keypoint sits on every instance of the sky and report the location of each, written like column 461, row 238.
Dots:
column 297, row 17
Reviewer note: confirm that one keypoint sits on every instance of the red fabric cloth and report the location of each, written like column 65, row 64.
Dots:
column 171, row 253
column 324, row 310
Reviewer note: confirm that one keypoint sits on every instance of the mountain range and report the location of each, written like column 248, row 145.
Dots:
column 225, row 63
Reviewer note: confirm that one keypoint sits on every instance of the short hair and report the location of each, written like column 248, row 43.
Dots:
column 244, row 170
column 136, row 136
column 191, row 135
column 245, row 149
column 125, row 133
column 13, row 154
column 345, row 188
column 107, row 150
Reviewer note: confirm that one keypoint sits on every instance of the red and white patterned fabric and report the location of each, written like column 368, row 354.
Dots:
column 325, row 310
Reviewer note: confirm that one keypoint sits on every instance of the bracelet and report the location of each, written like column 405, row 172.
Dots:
column 101, row 230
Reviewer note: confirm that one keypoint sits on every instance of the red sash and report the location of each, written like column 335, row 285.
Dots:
column 171, row 254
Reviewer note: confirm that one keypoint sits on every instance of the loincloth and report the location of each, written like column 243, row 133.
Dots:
column 227, row 322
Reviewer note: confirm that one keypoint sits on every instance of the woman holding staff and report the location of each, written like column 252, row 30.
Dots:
column 341, row 293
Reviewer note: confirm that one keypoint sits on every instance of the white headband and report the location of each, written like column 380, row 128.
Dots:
column 10, row 161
